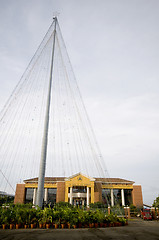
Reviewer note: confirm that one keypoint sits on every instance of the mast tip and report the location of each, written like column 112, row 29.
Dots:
column 55, row 15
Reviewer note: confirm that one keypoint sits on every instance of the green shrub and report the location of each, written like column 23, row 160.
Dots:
column 61, row 213
column 133, row 210
column 97, row 205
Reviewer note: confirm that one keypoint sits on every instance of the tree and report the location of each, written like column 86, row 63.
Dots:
column 156, row 202
column 6, row 199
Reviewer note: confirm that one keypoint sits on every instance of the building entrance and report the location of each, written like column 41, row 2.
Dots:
column 79, row 202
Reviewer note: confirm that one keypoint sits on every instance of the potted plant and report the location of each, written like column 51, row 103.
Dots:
column 11, row 226
column 47, row 217
column 18, row 221
column 105, row 221
column 68, row 225
column 67, row 215
column 32, row 217
column 81, row 218
column 5, row 216
column 4, row 222
column 91, row 219
column 74, row 222
column 39, row 216
column 86, row 219
column 41, row 221
column 62, row 225
column 96, row 218
column 56, row 216
column 19, row 216
column 57, row 222
column 64, row 218
column 48, row 221
column 101, row 219
column 12, row 220
column 26, row 219
column 33, row 223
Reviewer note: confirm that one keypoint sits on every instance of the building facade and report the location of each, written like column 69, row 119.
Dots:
column 80, row 189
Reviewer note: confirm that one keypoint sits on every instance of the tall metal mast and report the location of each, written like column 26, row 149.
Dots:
column 41, row 179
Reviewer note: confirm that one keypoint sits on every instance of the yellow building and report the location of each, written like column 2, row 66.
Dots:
column 80, row 189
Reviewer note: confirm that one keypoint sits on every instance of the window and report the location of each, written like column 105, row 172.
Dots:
column 29, row 195
column 128, row 196
column 117, row 196
column 52, row 195
column 79, row 189
column 106, row 196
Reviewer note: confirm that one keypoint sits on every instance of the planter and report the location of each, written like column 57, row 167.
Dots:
column 96, row 225
column 26, row 226
column 74, row 226
column 80, row 225
column 40, row 225
column 17, row 226
column 56, row 225
column 91, row 225
column 101, row 224
column 44, row 225
column 111, row 224
column 105, row 224
column 68, row 225
column 11, row 226
column 4, row 226
column 33, row 225
column 47, row 225
column 62, row 225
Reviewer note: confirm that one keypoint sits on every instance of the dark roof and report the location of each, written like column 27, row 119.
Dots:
column 113, row 180
column 47, row 179
column 61, row 179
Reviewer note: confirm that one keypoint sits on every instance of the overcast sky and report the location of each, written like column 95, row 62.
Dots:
column 113, row 47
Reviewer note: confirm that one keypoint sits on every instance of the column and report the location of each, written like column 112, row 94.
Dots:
column 92, row 193
column 34, row 196
column 66, row 193
column 112, row 197
column 46, row 195
column 128, row 210
column 87, row 196
column 108, row 210
column 122, row 197
column 70, row 195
